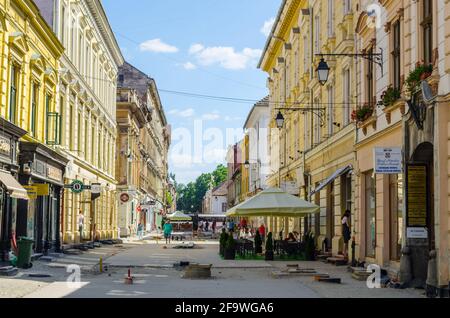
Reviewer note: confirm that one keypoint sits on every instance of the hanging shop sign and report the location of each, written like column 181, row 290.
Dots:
column 32, row 192
column 416, row 199
column 77, row 186
column 124, row 197
column 388, row 160
column 42, row 189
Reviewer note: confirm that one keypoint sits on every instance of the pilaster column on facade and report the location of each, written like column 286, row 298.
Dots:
column 442, row 191
column 323, row 220
column 338, row 240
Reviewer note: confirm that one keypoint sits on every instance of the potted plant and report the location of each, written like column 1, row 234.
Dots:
column 420, row 73
column 362, row 113
column 269, row 248
column 230, row 248
column 223, row 240
column 258, row 243
column 310, row 246
column 390, row 96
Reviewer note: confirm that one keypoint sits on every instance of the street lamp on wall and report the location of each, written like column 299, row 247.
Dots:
column 280, row 120
column 247, row 164
column 323, row 70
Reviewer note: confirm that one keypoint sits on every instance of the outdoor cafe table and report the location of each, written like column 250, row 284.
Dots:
column 284, row 247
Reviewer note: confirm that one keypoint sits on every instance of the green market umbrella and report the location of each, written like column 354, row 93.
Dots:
column 179, row 216
column 274, row 202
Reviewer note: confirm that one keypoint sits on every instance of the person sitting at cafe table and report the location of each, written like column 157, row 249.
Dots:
column 291, row 238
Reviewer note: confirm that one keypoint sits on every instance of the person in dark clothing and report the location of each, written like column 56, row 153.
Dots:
column 206, row 226
column 346, row 233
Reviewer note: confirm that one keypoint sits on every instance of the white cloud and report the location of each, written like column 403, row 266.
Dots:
column 267, row 27
column 157, row 46
column 226, row 57
column 229, row 118
column 211, row 116
column 195, row 48
column 189, row 66
column 189, row 112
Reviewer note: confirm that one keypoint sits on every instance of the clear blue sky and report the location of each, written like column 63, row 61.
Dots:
column 208, row 47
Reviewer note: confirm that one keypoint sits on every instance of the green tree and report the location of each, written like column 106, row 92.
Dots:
column 220, row 175
column 190, row 196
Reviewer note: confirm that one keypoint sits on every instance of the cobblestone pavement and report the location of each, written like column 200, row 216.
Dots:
column 152, row 267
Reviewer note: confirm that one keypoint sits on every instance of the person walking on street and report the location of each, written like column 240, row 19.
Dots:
column 262, row 232
column 206, row 226
column 81, row 224
column 213, row 226
column 168, row 228
column 346, row 233
column 140, row 231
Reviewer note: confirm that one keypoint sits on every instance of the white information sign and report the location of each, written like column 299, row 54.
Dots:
column 96, row 188
column 388, row 160
column 417, row 232
column 290, row 187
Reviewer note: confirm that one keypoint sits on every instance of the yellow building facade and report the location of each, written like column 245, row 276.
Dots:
column 29, row 66
column 314, row 149
column 86, row 103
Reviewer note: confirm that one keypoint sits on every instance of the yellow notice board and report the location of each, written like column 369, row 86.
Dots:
column 417, row 196
column 31, row 191
column 42, row 189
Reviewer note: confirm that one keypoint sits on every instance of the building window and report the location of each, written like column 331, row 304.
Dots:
column 224, row 207
column 307, row 131
column 13, row 95
column 396, row 214
column 427, row 29
column 86, row 137
column 317, row 34
column 370, row 80
column 347, row 93
column 330, row 110
column 330, row 20
column 370, row 200
column 396, row 54
column 79, row 131
column 62, row 122
column 52, row 123
column 306, row 45
column 317, row 127
column 347, row 6
column 34, row 110
column 71, row 127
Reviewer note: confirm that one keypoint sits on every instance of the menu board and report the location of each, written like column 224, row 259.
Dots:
column 417, row 196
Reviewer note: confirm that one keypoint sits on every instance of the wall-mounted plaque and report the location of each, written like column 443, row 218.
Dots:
column 416, row 200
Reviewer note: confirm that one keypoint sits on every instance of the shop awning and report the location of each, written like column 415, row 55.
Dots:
column 333, row 177
column 13, row 186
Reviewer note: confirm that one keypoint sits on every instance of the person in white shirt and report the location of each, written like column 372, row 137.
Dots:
column 81, row 224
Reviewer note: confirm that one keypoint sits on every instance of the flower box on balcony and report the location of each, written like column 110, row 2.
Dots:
column 420, row 73
column 399, row 104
